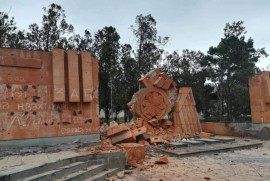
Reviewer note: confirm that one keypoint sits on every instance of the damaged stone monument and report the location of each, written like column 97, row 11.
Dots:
column 48, row 95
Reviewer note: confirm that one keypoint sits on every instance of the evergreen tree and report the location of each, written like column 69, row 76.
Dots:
column 106, row 47
column 231, row 63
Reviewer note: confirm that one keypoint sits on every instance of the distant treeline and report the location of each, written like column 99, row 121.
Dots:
column 219, row 79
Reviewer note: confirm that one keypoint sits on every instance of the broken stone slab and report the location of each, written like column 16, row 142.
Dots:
column 126, row 136
column 112, row 131
column 176, row 145
column 139, row 131
column 166, row 123
column 162, row 160
column 208, row 141
column 205, row 135
column 156, row 139
column 154, row 122
column 143, row 142
column 223, row 139
column 194, row 142
column 143, row 136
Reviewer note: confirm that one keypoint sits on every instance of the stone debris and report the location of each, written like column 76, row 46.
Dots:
column 157, row 98
column 135, row 151
column 162, row 160
column 100, row 149
column 205, row 135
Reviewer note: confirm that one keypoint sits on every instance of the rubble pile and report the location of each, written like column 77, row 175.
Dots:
column 152, row 106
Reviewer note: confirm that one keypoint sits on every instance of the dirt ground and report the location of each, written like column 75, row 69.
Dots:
column 242, row 165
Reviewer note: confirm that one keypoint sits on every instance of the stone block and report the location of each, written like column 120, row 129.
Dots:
column 167, row 84
column 134, row 151
column 126, row 136
column 58, row 75
column 156, row 139
column 143, row 136
column 159, row 82
column 143, row 142
column 73, row 76
column 146, row 81
column 166, row 123
column 139, row 122
column 205, row 135
column 116, row 130
column 154, row 122
column 139, row 131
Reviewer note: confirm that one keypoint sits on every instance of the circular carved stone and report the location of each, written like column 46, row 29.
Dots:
column 149, row 103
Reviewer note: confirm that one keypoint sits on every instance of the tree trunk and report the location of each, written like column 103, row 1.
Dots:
column 125, row 115
column 107, row 115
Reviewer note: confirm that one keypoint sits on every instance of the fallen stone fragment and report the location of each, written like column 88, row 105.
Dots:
column 126, row 136
column 159, row 82
column 120, row 175
column 167, row 84
column 139, row 122
column 112, row 124
column 134, row 151
column 162, row 160
column 132, row 163
column 107, row 141
column 205, row 135
column 139, row 131
column 153, row 122
column 143, row 136
column 103, row 129
column 144, row 142
column 149, row 128
column 165, row 123
column 156, row 139
column 112, row 131
column 128, row 172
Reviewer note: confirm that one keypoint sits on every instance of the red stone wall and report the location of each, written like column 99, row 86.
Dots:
column 47, row 94
column 259, row 91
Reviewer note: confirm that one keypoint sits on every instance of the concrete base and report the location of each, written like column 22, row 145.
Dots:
column 40, row 142
column 238, row 129
column 176, row 145
column 209, row 141
column 212, row 148
column 260, row 126
column 194, row 142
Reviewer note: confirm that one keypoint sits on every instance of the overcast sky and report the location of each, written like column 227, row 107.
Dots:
column 190, row 24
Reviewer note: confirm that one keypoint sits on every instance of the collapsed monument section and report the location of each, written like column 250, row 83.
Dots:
column 159, row 97
column 47, row 94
